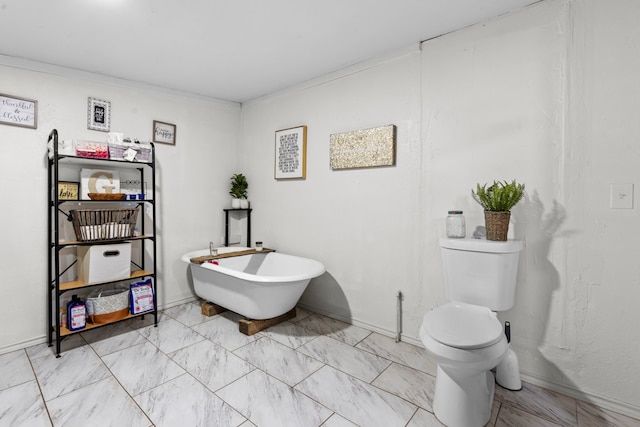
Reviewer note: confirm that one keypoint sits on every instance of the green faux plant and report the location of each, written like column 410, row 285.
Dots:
column 239, row 186
column 500, row 196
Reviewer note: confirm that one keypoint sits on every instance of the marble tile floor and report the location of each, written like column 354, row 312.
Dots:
column 194, row 370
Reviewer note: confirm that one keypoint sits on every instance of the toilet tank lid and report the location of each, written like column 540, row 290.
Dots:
column 482, row 245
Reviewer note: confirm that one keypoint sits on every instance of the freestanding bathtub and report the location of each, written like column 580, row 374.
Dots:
column 257, row 286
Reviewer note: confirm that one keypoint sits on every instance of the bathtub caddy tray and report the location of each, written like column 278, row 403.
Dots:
column 201, row 259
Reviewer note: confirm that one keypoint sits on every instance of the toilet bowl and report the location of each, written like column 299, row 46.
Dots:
column 467, row 341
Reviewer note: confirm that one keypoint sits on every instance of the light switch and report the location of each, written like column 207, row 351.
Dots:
column 621, row 196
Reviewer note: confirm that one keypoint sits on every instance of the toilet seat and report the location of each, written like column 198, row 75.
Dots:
column 462, row 325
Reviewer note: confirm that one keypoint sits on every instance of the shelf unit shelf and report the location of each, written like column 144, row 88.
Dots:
column 66, row 332
column 103, row 242
column 87, row 161
column 76, row 284
column 56, row 287
column 139, row 201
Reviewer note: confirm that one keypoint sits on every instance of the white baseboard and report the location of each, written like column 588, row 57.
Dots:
column 177, row 302
column 23, row 344
column 603, row 402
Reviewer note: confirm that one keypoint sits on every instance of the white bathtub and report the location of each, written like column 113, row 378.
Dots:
column 257, row 286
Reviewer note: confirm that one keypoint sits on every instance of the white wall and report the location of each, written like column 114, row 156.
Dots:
column 548, row 96
column 359, row 223
column 192, row 183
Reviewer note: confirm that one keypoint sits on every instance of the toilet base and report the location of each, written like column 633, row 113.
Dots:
column 465, row 403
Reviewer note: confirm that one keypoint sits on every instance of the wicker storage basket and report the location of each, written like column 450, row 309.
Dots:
column 497, row 225
column 103, row 224
column 108, row 305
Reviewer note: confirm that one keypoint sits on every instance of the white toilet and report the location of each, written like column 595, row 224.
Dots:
column 465, row 334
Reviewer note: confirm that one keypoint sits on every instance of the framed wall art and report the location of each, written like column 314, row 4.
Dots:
column 16, row 111
column 99, row 115
column 291, row 153
column 164, row 133
column 68, row 190
column 366, row 148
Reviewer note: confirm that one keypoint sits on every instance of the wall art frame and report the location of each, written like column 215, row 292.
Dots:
column 98, row 114
column 365, row 148
column 18, row 111
column 291, row 153
column 164, row 133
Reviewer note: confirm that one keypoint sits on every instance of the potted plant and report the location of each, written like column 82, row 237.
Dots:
column 497, row 200
column 238, row 191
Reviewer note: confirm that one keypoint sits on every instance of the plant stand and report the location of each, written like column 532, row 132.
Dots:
column 226, row 225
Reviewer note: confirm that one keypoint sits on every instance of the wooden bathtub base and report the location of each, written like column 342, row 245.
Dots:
column 248, row 326
column 211, row 309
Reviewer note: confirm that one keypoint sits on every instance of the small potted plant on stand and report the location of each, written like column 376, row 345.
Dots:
column 238, row 191
column 497, row 201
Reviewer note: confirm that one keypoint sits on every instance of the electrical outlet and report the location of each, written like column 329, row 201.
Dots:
column 621, row 196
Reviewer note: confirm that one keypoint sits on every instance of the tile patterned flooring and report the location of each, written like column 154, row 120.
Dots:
column 194, row 370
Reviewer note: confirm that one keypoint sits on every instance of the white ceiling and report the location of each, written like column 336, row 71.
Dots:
column 234, row 50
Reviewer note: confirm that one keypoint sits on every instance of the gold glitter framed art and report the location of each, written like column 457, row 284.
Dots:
column 365, row 148
column 291, row 153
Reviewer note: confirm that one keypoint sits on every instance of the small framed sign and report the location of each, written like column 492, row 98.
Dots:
column 68, row 190
column 99, row 115
column 16, row 111
column 164, row 133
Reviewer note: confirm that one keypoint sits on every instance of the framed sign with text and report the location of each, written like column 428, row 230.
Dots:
column 16, row 111
column 68, row 190
column 164, row 133
column 291, row 153
column 99, row 115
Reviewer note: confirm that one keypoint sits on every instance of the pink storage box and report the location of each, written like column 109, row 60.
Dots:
column 92, row 149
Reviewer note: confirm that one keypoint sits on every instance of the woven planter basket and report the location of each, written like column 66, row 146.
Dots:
column 497, row 224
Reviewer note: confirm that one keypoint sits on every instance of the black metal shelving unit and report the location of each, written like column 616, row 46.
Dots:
column 55, row 287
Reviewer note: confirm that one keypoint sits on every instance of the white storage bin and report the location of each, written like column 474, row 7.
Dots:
column 104, row 263
column 140, row 152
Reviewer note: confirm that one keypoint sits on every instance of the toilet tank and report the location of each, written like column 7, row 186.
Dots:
column 481, row 272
